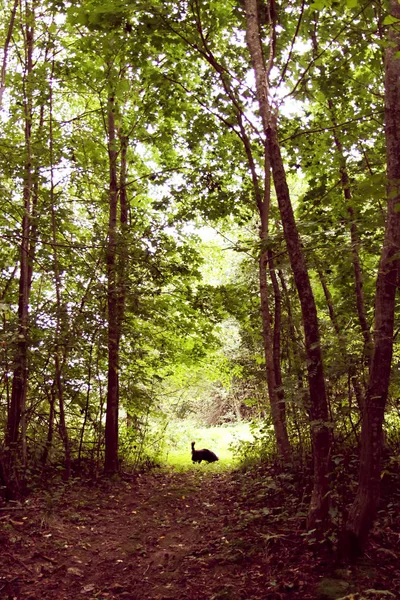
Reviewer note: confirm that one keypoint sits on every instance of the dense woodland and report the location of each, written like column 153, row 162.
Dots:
column 200, row 218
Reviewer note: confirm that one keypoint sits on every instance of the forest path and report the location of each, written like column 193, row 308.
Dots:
column 164, row 535
column 200, row 534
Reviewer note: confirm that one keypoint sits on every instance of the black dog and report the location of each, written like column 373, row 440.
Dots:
column 199, row 455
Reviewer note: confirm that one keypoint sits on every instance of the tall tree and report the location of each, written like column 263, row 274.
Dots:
column 60, row 309
column 111, row 439
column 319, row 416
column 20, row 376
column 5, row 51
column 363, row 510
column 261, row 188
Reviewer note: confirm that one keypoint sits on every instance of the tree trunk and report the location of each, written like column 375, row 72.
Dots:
column 5, row 51
column 320, row 425
column 294, row 336
column 355, row 241
column 50, row 430
column 20, row 375
column 111, row 432
column 281, row 435
column 355, row 244
column 88, row 389
column 14, row 441
column 122, row 241
column 279, row 423
column 57, row 280
column 363, row 510
column 280, row 429
column 277, row 337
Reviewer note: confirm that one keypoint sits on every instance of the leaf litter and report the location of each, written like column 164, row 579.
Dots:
column 182, row 535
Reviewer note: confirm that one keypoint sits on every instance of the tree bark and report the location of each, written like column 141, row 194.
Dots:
column 20, row 374
column 280, row 430
column 281, row 435
column 363, row 510
column 279, row 423
column 277, row 337
column 111, row 432
column 355, row 244
column 320, row 425
column 50, row 430
column 122, row 241
column 5, row 51
column 57, row 280
column 88, row 389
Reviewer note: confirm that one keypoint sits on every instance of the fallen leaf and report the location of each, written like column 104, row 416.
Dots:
column 75, row 571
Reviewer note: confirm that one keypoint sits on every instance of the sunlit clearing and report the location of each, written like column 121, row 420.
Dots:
column 216, row 439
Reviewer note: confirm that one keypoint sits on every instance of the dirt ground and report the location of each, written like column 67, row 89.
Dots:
column 198, row 534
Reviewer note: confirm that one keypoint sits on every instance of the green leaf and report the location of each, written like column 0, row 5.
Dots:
column 319, row 4
column 390, row 19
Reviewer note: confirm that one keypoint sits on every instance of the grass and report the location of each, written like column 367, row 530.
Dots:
column 218, row 439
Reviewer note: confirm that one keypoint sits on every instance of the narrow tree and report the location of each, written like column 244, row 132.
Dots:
column 111, row 433
column 355, row 242
column 5, row 51
column 20, row 374
column 364, row 508
column 59, row 304
column 261, row 191
column 319, row 417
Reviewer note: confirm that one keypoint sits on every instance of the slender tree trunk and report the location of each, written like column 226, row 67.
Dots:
column 5, row 51
column 355, row 245
column 15, row 436
column 320, row 425
column 111, row 433
column 355, row 241
column 102, row 401
column 352, row 367
column 294, row 337
column 280, row 429
column 57, row 280
column 122, row 245
column 50, row 430
column 319, row 415
column 279, row 423
column 263, row 203
column 329, row 303
column 20, row 375
column 86, row 415
column 6, row 362
column 277, row 337
column 363, row 510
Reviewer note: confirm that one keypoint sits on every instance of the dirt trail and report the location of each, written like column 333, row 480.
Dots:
column 199, row 534
column 160, row 536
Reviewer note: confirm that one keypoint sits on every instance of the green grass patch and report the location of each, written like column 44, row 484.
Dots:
column 180, row 434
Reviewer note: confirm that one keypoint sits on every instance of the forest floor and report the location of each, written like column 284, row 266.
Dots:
column 198, row 534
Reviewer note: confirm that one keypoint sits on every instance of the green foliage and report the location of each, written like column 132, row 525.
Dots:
column 221, row 440
column 191, row 343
